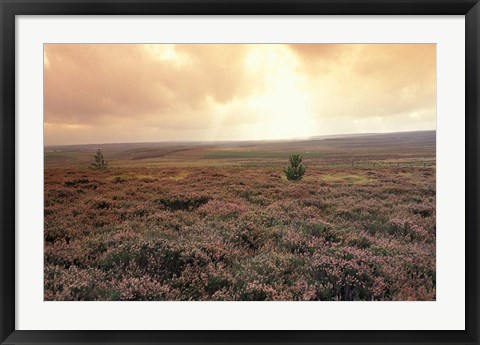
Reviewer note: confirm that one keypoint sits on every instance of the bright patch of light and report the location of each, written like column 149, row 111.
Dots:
column 167, row 52
column 281, row 107
column 46, row 61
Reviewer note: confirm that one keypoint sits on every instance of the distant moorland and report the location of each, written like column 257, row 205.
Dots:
column 220, row 220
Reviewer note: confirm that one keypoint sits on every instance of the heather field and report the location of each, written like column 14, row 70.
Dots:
column 220, row 221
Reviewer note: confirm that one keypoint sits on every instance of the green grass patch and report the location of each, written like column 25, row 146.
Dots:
column 258, row 154
column 179, row 176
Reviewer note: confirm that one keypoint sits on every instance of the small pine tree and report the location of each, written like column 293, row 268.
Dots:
column 100, row 163
column 295, row 171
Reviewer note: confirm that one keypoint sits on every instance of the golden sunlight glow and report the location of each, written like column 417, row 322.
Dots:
column 167, row 52
column 283, row 109
column 46, row 62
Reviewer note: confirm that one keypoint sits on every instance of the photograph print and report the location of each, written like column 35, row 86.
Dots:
column 239, row 172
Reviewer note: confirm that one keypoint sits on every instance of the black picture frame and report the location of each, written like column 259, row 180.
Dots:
column 9, row 9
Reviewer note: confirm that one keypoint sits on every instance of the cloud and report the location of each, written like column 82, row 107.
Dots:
column 370, row 80
column 95, row 84
column 137, row 92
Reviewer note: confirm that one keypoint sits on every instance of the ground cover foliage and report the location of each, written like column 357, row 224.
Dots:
column 239, row 232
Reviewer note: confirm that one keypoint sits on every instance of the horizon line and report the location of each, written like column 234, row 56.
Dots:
column 320, row 136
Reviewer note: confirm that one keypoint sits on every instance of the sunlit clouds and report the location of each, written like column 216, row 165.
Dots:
column 137, row 93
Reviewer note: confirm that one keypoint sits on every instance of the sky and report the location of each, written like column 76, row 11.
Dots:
column 118, row 93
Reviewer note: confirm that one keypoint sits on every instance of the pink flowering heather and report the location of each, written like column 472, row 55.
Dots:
column 236, row 229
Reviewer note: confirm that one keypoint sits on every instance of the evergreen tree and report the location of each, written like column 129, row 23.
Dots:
column 100, row 163
column 296, row 170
